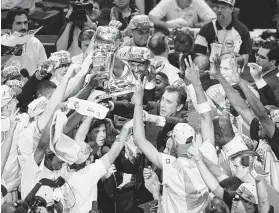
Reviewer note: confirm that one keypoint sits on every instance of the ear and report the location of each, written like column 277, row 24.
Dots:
column 179, row 107
column 273, row 62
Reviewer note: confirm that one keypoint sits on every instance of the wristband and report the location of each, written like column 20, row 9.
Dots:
column 261, row 83
column 203, row 108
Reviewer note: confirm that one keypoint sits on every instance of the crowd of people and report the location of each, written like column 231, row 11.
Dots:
column 118, row 117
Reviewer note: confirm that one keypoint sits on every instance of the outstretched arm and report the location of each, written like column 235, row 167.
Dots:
column 117, row 146
column 258, row 109
column 237, row 102
column 139, row 134
column 211, row 182
column 203, row 107
column 54, row 101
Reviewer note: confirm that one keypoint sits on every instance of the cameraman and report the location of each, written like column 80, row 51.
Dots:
column 68, row 39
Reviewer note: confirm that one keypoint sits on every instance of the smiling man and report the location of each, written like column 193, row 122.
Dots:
column 33, row 52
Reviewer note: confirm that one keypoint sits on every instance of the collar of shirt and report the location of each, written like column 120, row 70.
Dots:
column 177, row 8
column 269, row 71
column 229, row 27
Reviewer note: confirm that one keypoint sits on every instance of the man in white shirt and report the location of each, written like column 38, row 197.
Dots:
column 158, row 44
column 33, row 52
column 181, row 13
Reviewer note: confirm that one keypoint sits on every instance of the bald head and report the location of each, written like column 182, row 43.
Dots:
column 223, row 130
column 202, row 62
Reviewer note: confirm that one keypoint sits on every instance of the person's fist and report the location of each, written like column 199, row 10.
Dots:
column 194, row 153
column 147, row 173
column 115, row 23
column 111, row 170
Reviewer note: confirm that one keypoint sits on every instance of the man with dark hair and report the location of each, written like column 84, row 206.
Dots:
column 161, row 116
column 265, row 71
column 225, row 35
column 183, row 44
column 158, row 44
column 161, row 82
column 123, row 11
column 33, row 52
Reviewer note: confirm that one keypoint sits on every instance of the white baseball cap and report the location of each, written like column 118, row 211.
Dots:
column 182, row 132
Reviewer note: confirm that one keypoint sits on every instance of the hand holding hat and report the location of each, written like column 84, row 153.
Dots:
column 257, row 171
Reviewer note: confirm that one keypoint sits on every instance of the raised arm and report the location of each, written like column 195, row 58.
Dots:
column 258, row 109
column 7, row 144
column 54, row 100
column 139, row 134
column 63, row 40
column 203, row 106
column 211, row 182
column 117, row 146
column 237, row 102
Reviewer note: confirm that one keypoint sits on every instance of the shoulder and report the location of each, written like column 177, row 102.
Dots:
column 207, row 29
column 240, row 27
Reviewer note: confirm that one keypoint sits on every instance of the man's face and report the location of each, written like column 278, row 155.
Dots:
column 262, row 59
column 240, row 171
column 182, row 48
column 95, row 12
column 84, row 45
column 98, row 135
column 121, row 3
column 160, row 86
column 61, row 71
column 243, row 206
column 226, row 70
column 138, row 69
column 140, row 36
column 20, row 24
column 223, row 11
column 168, row 104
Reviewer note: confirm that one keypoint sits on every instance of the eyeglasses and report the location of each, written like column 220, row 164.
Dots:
column 260, row 56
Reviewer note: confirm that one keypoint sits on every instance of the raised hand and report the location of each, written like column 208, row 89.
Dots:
column 255, row 71
column 115, row 23
column 89, row 23
column 192, row 71
column 139, row 91
column 235, row 72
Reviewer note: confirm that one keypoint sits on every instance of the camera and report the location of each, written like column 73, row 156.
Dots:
column 78, row 16
column 42, row 196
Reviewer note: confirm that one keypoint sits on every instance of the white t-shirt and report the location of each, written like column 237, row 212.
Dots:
column 78, row 59
column 199, row 9
column 33, row 54
column 184, row 189
column 84, row 185
column 29, row 139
